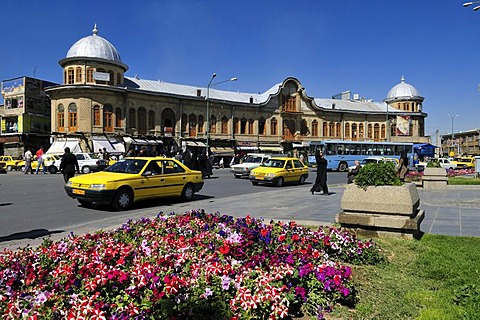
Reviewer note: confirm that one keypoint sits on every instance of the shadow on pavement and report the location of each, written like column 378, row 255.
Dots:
column 32, row 234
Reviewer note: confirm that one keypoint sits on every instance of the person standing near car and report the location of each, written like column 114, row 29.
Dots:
column 68, row 165
column 40, row 163
column 28, row 161
column 321, row 180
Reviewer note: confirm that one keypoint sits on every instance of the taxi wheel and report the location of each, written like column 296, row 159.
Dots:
column 123, row 199
column 9, row 168
column 302, row 179
column 255, row 183
column 21, row 168
column 86, row 169
column 187, row 193
column 279, row 182
column 52, row 169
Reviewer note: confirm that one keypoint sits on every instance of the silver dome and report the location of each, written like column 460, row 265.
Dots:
column 403, row 89
column 94, row 46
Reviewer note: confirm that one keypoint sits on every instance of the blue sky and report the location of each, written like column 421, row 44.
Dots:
column 330, row 46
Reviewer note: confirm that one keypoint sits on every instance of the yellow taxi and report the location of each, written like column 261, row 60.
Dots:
column 48, row 161
column 132, row 179
column 279, row 170
column 12, row 163
column 465, row 162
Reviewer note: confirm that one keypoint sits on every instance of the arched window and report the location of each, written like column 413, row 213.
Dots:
column 119, row 79
column 118, row 117
column 60, row 118
column 347, row 130
column 261, row 126
column 213, row 124
column 72, row 117
column 273, row 127
column 225, row 125
column 89, row 75
column 235, row 125
column 200, row 124
column 331, row 129
column 65, row 76
column 370, row 133
column 304, row 128
column 142, row 121
column 315, row 128
column 96, row 115
column 354, row 132
column 151, row 120
column 184, row 121
column 360, row 131
column 192, row 123
column 132, row 121
column 383, row 131
column 112, row 78
column 376, row 132
column 339, row 130
column 250, row 126
column 108, row 118
column 243, row 126
column 78, row 75
column 325, row 129
column 70, row 75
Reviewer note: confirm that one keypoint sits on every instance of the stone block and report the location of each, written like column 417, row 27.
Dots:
column 395, row 200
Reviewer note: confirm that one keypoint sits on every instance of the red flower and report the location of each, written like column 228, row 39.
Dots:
column 224, row 249
column 281, row 237
column 295, row 237
column 264, row 232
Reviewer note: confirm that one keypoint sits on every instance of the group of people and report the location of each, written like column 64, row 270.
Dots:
column 40, row 156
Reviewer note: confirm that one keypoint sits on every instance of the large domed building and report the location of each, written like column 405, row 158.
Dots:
column 101, row 107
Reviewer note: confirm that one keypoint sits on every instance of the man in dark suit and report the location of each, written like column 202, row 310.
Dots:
column 68, row 165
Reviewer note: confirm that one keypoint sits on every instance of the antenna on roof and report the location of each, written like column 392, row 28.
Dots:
column 34, row 71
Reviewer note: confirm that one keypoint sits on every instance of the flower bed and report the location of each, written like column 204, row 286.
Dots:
column 190, row 266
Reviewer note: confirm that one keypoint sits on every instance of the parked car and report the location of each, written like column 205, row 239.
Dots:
column 12, row 163
column 48, row 161
column 87, row 162
column 444, row 163
column 133, row 179
column 252, row 161
column 279, row 170
column 464, row 162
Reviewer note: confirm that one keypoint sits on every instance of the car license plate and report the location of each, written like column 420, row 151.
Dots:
column 76, row 191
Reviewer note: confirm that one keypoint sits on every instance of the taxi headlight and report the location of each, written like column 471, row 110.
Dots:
column 69, row 183
column 271, row 175
column 97, row 186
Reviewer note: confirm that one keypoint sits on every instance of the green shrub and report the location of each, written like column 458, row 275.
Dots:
column 433, row 164
column 378, row 174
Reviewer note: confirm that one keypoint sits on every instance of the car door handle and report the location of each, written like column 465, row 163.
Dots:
column 162, row 179
column 184, row 178
column 142, row 181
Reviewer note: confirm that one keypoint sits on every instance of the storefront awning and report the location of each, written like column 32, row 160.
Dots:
column 58, row 146
column 142, row 142
column 222, row 151
column 113, row 147
column 195, row 144
column 271, row 149
column 247, row 148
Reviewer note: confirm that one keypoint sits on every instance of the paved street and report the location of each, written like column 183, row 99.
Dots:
column 455, row 211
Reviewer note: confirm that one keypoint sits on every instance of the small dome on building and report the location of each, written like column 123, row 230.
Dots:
column 94, row 46
column 402, row 90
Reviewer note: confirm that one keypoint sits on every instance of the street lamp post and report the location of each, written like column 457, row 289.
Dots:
column 451, row 116
column 208, row 103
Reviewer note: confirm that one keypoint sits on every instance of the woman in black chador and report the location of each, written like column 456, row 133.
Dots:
column 321, row 180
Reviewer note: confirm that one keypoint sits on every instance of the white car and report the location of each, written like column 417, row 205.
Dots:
column 252, row 161
column 87, row 162
column 444, row 163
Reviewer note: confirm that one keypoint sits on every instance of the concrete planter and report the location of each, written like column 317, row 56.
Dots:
column 382, row 211
column 434, row 178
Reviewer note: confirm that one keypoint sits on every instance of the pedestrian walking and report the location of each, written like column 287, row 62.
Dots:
column 68, row 165
column 321, row 180
column 40, row 162
column 28, row 161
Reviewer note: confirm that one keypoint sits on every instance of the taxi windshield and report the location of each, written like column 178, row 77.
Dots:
column 131, row 166
column 274, row 163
